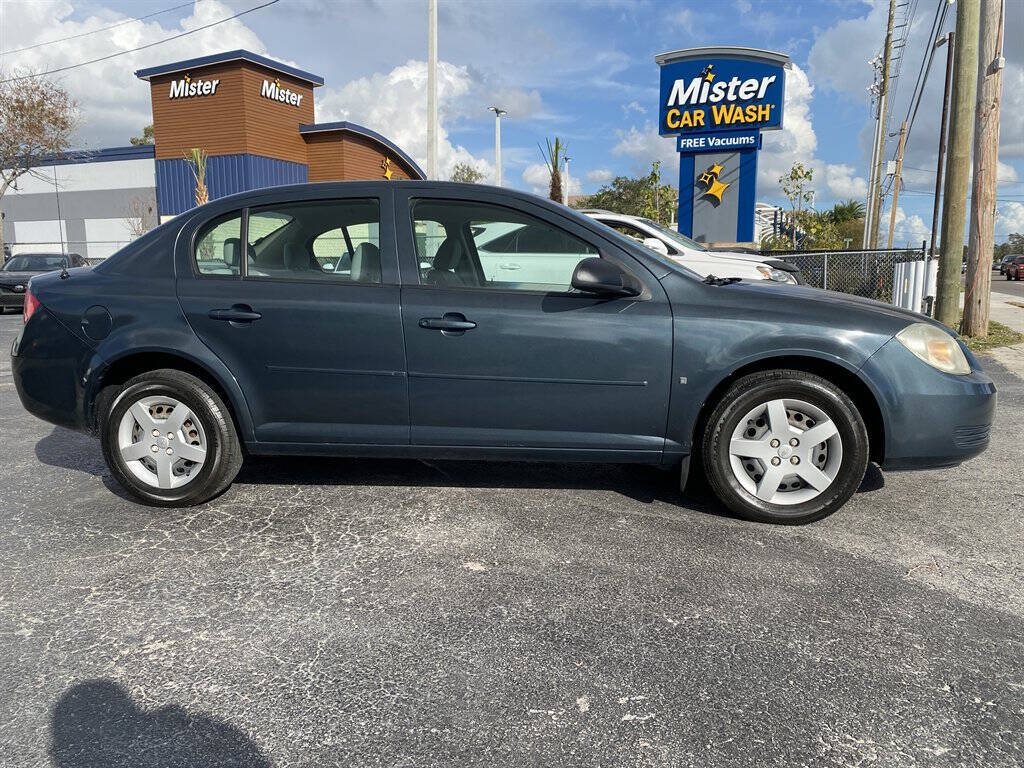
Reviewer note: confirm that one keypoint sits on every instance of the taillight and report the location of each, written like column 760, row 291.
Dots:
column 31, row 305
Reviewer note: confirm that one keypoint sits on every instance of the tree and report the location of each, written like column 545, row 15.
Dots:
column 197, row 163
column 466, row 173
column 139, row 218
column 553, row 159
column 145, row 138
column 640, row 196
column 813, row 229
column 848, row 216
column 37, row 118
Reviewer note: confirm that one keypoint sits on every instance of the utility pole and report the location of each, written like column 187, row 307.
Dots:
column 882, row 99
column 897, row 179
column 949, row 41
column 498, row 112
column 432, row 88
column 954, row 193
column 986, row 158
column 869, row 212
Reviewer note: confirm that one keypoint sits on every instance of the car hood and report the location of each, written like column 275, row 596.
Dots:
column 746, row 258
column 855, row 312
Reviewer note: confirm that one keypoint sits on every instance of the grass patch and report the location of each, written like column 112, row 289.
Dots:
column 999, row 335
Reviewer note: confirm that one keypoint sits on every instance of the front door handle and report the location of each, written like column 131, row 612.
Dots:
column 238, row 313
column 450, row 324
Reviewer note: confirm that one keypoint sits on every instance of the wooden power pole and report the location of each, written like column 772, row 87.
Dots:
column 946, row 85
column 896, row 180
column 954, row 194
column 986, row 158
column 883, row 97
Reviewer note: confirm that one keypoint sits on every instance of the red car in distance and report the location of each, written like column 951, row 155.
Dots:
column 1015, row 269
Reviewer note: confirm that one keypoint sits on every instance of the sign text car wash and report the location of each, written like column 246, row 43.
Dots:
column 717, row 101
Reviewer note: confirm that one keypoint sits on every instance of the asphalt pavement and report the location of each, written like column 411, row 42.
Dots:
column 1013, row 288
column 402, row 613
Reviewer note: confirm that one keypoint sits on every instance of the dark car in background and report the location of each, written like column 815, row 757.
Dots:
column 1005, row 261
column 18, row 270
column 1015, row 268
column 220, row 334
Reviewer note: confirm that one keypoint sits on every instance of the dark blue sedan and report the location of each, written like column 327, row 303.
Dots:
column 442, row 320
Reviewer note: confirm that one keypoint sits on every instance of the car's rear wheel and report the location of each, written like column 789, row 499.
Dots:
column 785, row 446
column 169, row 439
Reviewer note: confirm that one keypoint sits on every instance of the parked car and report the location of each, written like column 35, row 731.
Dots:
column 181, row 355
column 694, row 255
column 17, row 270
column 1015, row 269
column 1003, row 262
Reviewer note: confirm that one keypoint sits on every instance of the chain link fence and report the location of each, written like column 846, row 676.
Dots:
column 869, row 273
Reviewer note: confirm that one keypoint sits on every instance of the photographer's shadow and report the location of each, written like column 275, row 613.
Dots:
column 96, row 724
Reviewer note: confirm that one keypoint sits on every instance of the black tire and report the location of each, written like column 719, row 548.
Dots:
column 223, row 451
column 746, row 394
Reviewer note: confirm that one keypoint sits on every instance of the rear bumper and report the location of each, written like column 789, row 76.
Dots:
column 45, row 362
column 932, row 419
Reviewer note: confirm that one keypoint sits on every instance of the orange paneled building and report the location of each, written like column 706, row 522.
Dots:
column 254, row 117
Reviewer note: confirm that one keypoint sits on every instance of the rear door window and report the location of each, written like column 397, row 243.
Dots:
column 218, row 245
column 333, row 240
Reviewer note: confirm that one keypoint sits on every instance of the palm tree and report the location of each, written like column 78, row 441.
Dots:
column 553, row 159
column 196, row 159
column 848, row 210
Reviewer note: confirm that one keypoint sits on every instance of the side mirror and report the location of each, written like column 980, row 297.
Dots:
column 656, row 245
column 603, row 278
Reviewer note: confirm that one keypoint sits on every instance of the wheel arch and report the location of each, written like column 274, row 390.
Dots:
column 847, row 379
column 133, row 362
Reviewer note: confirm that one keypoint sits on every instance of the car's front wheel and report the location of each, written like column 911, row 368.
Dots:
column 169, row 440
column 785, row 446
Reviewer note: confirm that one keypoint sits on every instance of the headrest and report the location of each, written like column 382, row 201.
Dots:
column 231, row 249
column 295, row 258
column 447, row 255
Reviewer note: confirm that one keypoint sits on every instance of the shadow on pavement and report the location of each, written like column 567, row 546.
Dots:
column 96, row 724
column 646, row 484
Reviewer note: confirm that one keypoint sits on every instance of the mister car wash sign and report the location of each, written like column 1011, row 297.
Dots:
column 717, row 101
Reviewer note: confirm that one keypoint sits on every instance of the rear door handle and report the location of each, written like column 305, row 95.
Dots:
column 238, row 313
column 450, row 324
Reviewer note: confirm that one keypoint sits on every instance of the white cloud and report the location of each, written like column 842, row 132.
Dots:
column 1005, row 173
column 909, row 231
column 600, row 176
column 645, row 146
column 797, row 141
column 113, row 104
column 839, row 58
column 842, row 182
column 394, row 104
column 634, row 106
column 1009, row 219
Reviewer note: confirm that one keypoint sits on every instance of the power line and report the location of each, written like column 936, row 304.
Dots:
column 139, row 48
column 101, row 29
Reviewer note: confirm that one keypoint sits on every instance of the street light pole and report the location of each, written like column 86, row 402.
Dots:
column 432, row 88
column 565, row 182
column 498, row 112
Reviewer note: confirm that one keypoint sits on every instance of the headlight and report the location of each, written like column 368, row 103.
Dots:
column 935, row 347
column 779, row 276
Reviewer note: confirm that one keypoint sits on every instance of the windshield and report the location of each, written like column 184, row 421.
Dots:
column 35, row 262
column 676, row 237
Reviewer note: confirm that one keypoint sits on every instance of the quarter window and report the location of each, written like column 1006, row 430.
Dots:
column 219, row 244
column 335, row 240
column 463, row 244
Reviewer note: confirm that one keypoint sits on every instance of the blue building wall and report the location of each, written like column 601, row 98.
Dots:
column 225, row 175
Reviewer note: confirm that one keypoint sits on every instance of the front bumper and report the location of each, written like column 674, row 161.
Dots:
column 10, row 299
column 931, row 418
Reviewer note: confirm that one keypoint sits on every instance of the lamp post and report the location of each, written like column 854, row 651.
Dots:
column 498, row 112
column 565, row 182
column 432, row 88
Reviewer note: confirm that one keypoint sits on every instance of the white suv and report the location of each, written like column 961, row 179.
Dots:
column 692, row 254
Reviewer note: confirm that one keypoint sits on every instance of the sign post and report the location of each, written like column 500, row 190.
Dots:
column 717, row 101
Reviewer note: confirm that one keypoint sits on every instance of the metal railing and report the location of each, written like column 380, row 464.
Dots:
column 869, row 273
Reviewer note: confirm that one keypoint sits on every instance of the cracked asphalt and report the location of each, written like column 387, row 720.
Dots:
column 399, row 613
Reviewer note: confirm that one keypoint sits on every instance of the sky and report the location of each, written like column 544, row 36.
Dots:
column 580, row 70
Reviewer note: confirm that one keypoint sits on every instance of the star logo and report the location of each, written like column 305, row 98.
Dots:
column 713, row 188
column 188, row 77
column 277, row 81
column 707, row 74
column 385, row 166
